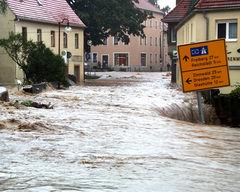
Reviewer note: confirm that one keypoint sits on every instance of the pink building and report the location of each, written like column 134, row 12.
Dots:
column 141, row 54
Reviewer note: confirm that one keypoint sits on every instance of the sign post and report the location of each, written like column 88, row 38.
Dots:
column 203, row 66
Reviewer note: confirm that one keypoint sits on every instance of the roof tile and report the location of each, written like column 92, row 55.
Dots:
column 210, row 4
column 145, row 5
column 179, row 12
column 51, row 11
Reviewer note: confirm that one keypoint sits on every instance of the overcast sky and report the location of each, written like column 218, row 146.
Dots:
column 163, row 3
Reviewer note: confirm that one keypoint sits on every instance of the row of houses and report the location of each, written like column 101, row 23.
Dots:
column 140, row 54
column 202, row 20
column 50, row 22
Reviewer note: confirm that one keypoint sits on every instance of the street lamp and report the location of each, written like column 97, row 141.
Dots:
column 66, row 29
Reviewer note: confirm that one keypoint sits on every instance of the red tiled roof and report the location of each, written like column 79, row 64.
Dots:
column 51, row 11
column 178, row 13
column 210, row 4
column 145, row 5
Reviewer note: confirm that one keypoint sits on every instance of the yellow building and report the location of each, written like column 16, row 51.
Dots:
column 43, row 20
column 204, row 20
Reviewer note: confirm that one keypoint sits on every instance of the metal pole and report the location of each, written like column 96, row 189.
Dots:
column 200, row 107
column 59, row 24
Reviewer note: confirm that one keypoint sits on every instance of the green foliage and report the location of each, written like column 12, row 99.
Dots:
column 27, row 103
column 37, row 62
column 166, row 9
column 105, row 18
column 236, row 92
column 154, row 2
column 44, row 65
column 3, row 6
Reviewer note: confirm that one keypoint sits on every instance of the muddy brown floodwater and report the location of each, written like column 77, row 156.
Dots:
column 111, row 139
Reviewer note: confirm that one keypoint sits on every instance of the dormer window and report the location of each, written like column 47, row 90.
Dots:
column 39, row 2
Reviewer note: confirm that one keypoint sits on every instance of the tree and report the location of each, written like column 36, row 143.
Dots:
column 36, row 61
column 105, row 18
column 154, row 2
column 18, row 50
column 3, row 6
column 44, row 65
column 166, row 10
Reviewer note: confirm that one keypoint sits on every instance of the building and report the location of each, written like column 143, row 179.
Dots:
column 173, row 18
column 141, row 54
column 209, row 20
column 43, row 20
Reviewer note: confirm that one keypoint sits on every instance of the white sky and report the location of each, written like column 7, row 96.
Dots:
column 170, row 3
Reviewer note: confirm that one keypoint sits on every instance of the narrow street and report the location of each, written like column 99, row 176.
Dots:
column 109, row 137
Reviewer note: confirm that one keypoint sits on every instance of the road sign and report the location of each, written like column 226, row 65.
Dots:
column 204, row 65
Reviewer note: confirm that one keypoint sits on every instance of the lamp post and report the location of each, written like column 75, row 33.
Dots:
column 67, row 29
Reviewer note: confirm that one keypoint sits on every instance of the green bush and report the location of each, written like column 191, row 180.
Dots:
column 44, row 66
column 236, row 92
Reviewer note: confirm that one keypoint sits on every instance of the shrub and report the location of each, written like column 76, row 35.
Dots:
column 236, row 92
column 44, row 65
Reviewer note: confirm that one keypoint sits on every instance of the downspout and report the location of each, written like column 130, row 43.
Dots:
column 209, row 93
column 207, row 25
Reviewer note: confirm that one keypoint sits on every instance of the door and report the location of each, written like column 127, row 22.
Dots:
column 105, row 61
column 77, row 72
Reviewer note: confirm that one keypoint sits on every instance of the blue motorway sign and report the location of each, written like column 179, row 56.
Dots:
column 198, row 51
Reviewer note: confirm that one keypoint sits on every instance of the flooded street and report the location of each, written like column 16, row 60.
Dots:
column 110, row 138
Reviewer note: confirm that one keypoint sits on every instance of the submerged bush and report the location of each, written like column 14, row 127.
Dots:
column 236, row 92
column 44, row 65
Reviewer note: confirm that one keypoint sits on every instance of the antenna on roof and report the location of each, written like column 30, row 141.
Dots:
column 39, row 2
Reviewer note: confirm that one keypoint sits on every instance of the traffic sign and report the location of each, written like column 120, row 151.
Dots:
column 204, row 65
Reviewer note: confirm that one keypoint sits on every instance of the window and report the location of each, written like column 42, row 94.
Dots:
column 39, row 35
column 105, row 41
column 227, row 30
column 151, row 23
column 150, row 58
column 115, row 40
column 127, row 43
column 76, row 41
column 156, row 23
column 156, row 41
column 141, row 39
column 24, row 33
column 150, row 41
column 65, row 40
column 94, row 57
column 52, row 38
column 173, row 35
column 156, row 58
column 121, row 59
column 145, row 40
column 143, row 59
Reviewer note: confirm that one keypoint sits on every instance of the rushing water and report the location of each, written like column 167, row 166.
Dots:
column 110, row 138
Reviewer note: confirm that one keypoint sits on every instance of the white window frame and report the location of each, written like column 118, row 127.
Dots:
column 128, row 54
column 227, row 22
column 93, row 57
column 114, row 40
column 145, row 59
column 102, row 59
column 173, row 35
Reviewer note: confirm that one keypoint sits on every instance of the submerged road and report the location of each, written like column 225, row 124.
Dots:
column 110, row 138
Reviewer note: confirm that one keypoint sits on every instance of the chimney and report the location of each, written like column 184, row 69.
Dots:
column 177, row 1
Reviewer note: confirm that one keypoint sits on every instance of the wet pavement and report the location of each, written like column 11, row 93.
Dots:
column 105, row 138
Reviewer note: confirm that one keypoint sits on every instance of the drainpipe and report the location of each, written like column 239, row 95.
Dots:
column 207, row 25
column 209, row 93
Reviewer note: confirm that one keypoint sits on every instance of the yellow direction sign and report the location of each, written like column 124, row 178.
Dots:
column 204, row 65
